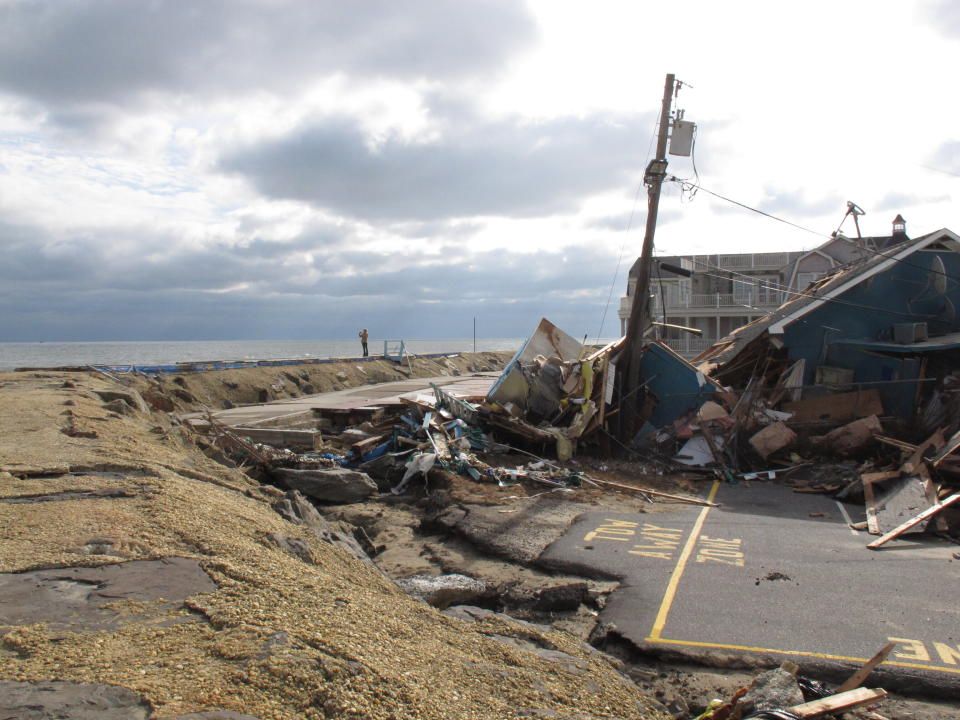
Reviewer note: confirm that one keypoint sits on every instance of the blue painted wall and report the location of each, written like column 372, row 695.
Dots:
column 903, row 293
column 675, row 382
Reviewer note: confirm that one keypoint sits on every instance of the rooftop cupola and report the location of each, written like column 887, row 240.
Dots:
column 899, row 227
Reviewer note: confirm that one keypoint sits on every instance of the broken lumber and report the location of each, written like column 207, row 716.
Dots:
column 680, row 498
column 841, row 702
column 901, row 529
column 364, row 446
column 862, row 673
column 895, row 443
column 935, row 441
column 948, row 449
column 873, row 526
column 838, row 408
column 879, row 476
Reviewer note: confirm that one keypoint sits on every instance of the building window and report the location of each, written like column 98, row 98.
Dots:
column 805, row 278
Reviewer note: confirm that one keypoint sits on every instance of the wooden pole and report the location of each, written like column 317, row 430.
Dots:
column 639, row 315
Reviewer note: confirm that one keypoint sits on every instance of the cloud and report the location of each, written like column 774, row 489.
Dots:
column 474, row 166
column 631, row 221
column 895, row 202
column 112, row 51
column 66, row 287
column 796, row 206
column 946, row 158
column 944, row 15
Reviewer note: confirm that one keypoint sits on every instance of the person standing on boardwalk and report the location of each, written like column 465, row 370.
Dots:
column 363, row 340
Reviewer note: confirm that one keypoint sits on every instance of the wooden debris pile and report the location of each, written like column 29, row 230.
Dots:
column 777, row 427
column 782, row 694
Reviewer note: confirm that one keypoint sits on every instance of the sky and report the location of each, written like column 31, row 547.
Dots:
column 300, row 169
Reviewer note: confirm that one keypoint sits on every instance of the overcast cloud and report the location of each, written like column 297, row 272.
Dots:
column 475, row 167
column 113, row 51
column 231, row 169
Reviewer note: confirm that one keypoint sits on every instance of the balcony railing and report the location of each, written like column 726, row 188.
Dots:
column 741, row 261
column 690, row 345
column 675, row 300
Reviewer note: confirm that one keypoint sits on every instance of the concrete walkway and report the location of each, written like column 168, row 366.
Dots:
column 379, row 395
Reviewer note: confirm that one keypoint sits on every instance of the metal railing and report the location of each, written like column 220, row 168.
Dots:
column 764, row 298
column 394, row 350
column 690, row 345
column 741, row 261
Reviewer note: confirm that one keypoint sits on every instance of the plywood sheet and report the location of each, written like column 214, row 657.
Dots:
column 839, row 408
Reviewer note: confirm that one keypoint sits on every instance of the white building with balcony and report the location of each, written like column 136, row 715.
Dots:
column 726, row 291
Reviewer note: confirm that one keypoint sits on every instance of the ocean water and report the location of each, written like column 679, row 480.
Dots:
column 55, row 354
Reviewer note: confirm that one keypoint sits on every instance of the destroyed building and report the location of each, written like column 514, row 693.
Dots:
column 886, row 322
column 720, row 292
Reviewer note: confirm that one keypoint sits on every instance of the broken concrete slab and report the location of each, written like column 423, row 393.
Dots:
column 213, row 715
column 298, row 510
column 516, row 536
column 94, row 494
column 77, row 701
column 329, row 485
column 304, row 440
column 562, row 598
column 78, row 598
column 130, row 397
column 120, row 407
column 295, row 546
column 443, row 591
column 772, row 690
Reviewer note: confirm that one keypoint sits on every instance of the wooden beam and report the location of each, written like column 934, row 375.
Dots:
column 949, row 448
column 362, row 446
column 896, row 443
column 680, row 498
column 839, row 703
column 858, row 678
column 902, row 528
column 873, row 526
column 935, row 441
column 879, row 476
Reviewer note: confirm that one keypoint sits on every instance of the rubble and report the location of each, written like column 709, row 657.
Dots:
column 444, row 590
column 557, row 397
column 329, row 485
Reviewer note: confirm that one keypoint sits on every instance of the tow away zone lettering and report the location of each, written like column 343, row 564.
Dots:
column 918, row 651
column 617, row 530
column 657, row 542
column 718, row 550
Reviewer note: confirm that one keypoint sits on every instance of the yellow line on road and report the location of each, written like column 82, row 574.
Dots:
column 671, row 591
column 801, row 653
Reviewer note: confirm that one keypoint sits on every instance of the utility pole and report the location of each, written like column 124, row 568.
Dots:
column 639, row 312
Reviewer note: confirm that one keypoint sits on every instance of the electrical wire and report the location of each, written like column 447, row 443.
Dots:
column 686, row 184
column 616, row 271
column 626, row 232
column 689, row 186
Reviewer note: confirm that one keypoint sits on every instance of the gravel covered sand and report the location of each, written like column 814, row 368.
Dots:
column 280, row 637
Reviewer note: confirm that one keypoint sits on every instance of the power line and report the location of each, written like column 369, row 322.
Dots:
column 626, row 231
column 613, row 280
column 689, row 186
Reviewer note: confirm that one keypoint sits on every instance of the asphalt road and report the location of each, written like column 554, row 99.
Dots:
column 773, row 575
